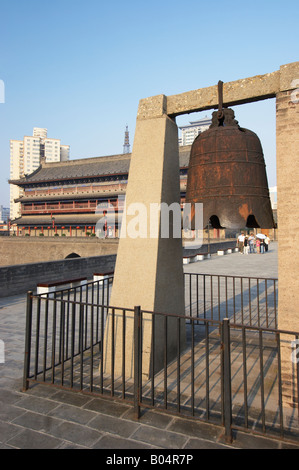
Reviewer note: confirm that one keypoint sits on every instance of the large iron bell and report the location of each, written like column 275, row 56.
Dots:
column 227, row 173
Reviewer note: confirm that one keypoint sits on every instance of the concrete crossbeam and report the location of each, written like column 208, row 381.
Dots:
column 237, row 92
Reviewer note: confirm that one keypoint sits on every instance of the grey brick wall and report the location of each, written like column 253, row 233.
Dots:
column 20, row 278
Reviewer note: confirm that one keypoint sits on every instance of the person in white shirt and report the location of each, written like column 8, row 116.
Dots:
column 241, row 239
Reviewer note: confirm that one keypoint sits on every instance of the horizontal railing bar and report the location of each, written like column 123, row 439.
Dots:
column 262, row 329
column 68, row 358
column 86, row 391
column 255, row 432
column 232, row 276
column 186, row 317
column 78, row 302
column 75, row 288
column 216, row 322
column 172, row 412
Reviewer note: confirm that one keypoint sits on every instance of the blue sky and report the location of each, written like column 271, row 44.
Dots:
column 80, row 68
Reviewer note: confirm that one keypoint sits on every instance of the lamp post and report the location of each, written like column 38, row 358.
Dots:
column 209, row 238
column 53, row 222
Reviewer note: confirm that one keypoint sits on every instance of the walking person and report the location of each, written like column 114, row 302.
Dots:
column 267, row 241
column 246, row 245
column 251, row 243
column 258, row 245
column 240, row 242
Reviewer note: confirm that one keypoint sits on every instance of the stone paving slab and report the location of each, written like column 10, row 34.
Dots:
column 46, row 417
column 238, row 264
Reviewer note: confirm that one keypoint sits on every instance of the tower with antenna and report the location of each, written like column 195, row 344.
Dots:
column 126, row 145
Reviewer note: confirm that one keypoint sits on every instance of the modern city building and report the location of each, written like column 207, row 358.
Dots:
column 273, row 196
column 16, row 172
column 26, row 156
column 4, row 214
column 190, row 131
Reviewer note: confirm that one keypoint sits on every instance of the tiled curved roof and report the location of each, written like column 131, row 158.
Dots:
column 64, row 219
column 89, row 167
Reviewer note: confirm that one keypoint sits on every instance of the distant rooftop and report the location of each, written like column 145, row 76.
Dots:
column 206, row 121
column 88, row 167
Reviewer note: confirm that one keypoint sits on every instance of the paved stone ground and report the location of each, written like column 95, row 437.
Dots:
column 45, row 417
column 254, row 264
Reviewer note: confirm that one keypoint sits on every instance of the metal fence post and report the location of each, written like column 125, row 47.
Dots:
column 137, row 339
column 27, row 341
column 227, row 380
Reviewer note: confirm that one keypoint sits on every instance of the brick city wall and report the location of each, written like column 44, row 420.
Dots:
column 16, row 250
column 23, row 277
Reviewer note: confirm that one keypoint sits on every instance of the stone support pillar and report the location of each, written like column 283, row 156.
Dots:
column 287, row 147
column 149, row 268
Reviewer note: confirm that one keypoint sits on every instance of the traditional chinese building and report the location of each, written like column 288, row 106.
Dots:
column 68, row 198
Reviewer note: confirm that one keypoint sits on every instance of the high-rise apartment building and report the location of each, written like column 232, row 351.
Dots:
column 16, row 170
column 191, row 130
column 26, row 156
column 4, row 214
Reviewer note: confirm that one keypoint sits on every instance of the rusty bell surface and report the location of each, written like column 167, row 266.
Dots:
column 227, row 173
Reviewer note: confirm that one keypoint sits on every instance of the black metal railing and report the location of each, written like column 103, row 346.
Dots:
column 226, row 373
column 212, row 369
column 245, row 300
column 61, row 328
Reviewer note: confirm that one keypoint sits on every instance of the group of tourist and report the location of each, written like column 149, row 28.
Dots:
column 253, row 244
